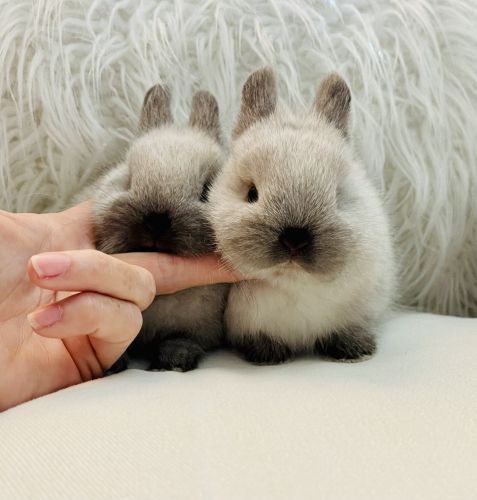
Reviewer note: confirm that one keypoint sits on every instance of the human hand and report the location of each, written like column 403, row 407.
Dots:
column 69, row 312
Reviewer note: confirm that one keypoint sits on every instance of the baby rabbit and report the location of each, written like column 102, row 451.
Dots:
column 295, row 210
column 156, row 200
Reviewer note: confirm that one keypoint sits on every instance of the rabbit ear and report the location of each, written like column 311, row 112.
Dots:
column 156, row 110
column 259, row 99
column 333, row 101
column 205, row 114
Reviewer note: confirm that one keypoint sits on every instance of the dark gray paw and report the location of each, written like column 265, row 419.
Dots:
column 349, row 344
column 178, row 354
column 262, row 350
column 119, row 366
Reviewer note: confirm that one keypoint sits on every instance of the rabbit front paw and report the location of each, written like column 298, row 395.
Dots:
column 350, row 344
column 262, row 350
column 177, row 354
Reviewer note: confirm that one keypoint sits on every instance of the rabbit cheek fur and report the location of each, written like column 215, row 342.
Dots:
column 156, row 200
column 294, row 209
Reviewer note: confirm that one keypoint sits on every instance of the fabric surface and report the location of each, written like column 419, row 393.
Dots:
column 400, row 425
column 73, row 76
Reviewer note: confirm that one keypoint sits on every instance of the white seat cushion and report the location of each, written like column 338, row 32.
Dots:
column 400, row 425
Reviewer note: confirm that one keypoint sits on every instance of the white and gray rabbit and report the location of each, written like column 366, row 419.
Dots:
column 295, row 209
column 156, row 200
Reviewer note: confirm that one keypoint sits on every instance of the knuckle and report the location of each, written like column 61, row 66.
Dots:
column 92, row 310
column 148, row 288
column 98, row 263
column 166, row 267
column 163, row 264
column 94, row 255
column 133, row 318
column 98, row 309
column 139, row 284
column 128, row 279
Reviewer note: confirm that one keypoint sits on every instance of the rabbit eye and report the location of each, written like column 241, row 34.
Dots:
column 252, row 195
column 204, row 196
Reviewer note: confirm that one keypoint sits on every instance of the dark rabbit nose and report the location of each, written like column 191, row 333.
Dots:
column 295, row 238
column 157, row 223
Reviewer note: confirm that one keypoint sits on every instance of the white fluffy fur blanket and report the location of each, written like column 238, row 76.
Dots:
column 73, row 75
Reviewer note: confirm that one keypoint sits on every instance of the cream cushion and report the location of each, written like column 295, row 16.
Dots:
column 400, row 425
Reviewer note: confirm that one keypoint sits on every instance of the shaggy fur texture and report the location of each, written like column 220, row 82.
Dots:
column 73, row 76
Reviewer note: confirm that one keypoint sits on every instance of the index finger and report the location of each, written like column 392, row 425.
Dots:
column 173, row 273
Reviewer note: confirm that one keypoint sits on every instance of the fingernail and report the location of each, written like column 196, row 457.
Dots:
column 50, row 265
column 45, row 317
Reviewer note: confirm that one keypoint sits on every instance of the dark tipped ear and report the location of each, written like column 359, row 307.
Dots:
column 333, row 101
column 259, row 99
column 156, row 110
column 205, row 114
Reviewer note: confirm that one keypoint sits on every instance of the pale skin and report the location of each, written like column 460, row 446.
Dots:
column 67, row 311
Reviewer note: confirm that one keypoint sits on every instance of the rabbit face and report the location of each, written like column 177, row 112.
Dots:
column 162, row 203
column 280, row 202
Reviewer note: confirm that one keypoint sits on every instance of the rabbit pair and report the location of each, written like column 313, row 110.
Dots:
column 291, row 209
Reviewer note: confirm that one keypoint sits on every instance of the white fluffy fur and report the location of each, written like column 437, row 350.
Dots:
column 298, row 307
column 289, row 303
column 73, row 76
